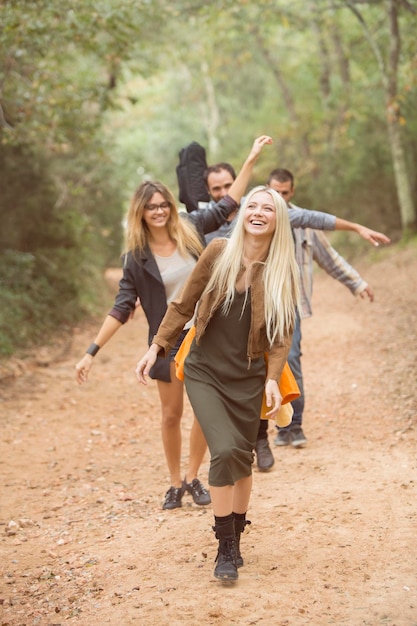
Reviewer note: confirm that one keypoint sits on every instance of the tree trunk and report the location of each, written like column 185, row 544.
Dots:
column 407, row 208
column 285, row 92
column 405, row 199
column 212, row 118
column 389, row 76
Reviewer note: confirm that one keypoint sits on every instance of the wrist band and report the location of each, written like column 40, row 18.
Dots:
column 93, row 349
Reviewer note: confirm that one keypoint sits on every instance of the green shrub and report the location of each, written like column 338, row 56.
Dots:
column 52, row 252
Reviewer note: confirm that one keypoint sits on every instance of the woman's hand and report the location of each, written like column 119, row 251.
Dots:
column 82, row 368
column 144, row 365
column 257, row 146
column 241, row 182
column 273, row 397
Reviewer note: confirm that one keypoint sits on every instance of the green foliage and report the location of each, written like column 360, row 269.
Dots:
column 50, row 249
column 41, row 293
column 106, row 92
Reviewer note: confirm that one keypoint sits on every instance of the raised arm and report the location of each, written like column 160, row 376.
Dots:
column 241, row 182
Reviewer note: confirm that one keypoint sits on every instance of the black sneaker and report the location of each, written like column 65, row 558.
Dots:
column 298, row 438
column 199, row 493
column 283, row 438
column 173, row 498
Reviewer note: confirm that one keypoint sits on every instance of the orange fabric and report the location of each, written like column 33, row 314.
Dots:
column 287, row 384
column 182, row 353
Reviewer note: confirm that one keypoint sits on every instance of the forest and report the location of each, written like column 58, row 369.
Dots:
column 98, row 95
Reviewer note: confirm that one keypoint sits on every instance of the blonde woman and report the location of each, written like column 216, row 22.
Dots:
column 163, row 246
column 247, row 292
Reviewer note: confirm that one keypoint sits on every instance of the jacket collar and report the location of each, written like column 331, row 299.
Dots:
column 149, row 263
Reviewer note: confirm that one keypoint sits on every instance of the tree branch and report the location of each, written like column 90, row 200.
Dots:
column 371, row 41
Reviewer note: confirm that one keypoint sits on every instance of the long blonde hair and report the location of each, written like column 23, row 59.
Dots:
column 280, row 275
column 179, row 230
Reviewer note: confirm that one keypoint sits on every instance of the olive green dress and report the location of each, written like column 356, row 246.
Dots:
column 226, row 392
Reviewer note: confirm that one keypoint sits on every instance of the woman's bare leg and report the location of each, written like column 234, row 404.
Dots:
column 241, row 494
column 231, row 498
column 172, row 401
column 198, row 447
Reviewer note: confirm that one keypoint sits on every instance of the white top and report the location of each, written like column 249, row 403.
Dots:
column 174, row 270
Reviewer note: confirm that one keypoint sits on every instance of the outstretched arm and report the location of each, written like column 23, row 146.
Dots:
column 373, row 236
column 336, row 266
column 305, row 218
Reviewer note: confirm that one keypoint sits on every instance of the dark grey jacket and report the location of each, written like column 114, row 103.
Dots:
column 141, row 278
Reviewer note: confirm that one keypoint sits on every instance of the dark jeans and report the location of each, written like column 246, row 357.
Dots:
column 294, row 361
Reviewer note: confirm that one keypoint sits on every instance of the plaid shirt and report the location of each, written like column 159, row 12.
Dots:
column 313, row 245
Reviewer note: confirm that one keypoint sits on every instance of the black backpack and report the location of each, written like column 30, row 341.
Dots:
column 190, row 176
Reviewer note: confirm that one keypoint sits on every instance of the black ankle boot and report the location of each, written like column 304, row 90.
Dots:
column 240, row 525
column 226, row 568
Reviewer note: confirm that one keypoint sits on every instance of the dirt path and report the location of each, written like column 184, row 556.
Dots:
column 83, row 539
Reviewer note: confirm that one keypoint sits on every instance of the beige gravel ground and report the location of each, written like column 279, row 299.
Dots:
column 83, row 539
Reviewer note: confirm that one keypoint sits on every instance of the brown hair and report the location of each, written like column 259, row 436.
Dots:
column 179, row 230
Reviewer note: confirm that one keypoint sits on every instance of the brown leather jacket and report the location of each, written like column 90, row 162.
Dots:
column 182, row 310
